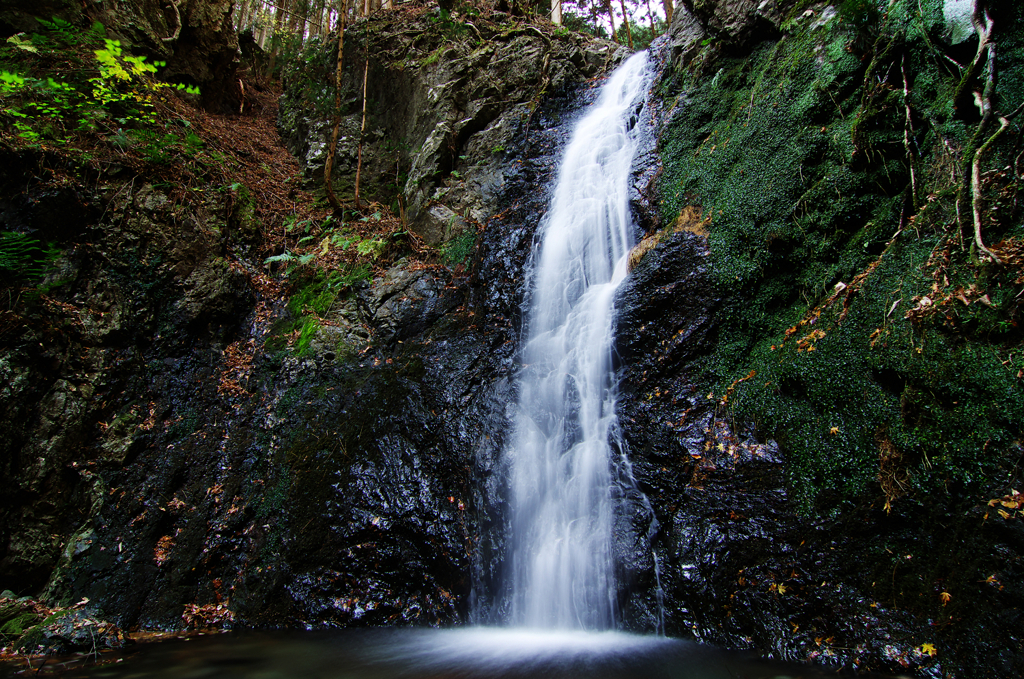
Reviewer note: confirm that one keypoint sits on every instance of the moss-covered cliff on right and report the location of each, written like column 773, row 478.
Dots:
column 834, row 169
column 853, row 170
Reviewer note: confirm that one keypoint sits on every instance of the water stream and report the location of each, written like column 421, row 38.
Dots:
column 562, row 570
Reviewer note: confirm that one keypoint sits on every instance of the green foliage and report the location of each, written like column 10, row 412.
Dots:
column 576, row 23
column 642, row 34
column 315, row 297
column 456, row 250
column 60, row 33
column 163, row 147
column 433, row 57
column 48, row 100
column 371, row 247
column 451, row 29
column 862, row 15
column 25, row 258
column 15, row 619
column 328, row 235
column 308, row 327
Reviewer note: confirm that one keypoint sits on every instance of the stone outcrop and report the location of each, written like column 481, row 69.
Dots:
column 442, row 116
column 737, row 22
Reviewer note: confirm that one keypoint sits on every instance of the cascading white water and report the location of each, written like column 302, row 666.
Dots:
column 562, row 570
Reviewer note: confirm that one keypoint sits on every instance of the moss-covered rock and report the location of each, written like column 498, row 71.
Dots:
column 844, row 321
column 820, row 163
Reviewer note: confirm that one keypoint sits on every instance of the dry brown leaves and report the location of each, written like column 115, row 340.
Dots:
column 238, row 358
column 162, row 551
column 1011, row 254
column 1012, row 501
column 206, row 616
column 150, row 420
column 246, row 150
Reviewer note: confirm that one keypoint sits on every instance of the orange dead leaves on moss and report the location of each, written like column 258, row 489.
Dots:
column 732, row 387
column 806, row 343
column 841, row 290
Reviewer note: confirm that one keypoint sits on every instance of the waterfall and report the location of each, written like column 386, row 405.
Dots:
column 562, row 567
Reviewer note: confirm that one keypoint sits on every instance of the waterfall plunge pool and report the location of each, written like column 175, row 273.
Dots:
column 466, row 653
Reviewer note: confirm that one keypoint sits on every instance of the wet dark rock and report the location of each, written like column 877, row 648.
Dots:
column 404, row 302
column 667, row 295
column 356, row 484
column 685, row 34
column 440, row 223
column 214, row 292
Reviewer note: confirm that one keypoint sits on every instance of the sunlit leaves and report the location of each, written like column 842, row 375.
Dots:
column 22, row 43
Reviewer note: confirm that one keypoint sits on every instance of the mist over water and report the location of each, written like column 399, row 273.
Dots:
column 471, row 653
column 562, row 570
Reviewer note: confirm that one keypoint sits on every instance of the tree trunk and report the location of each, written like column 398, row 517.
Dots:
column 650, row 15
column 611, row 18
column 244, row 9
column 275, row 40
column 362, row 128
column 625, row 18
column 669, row 9
column 303, row 19
column 333, row 146
column 556, row 12
column 264, row 26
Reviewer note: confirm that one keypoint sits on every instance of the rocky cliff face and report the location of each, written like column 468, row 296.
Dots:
column 446, row 110
column 819, row 383
column 170, row 453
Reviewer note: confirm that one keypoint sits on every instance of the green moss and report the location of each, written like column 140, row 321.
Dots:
column 15, row 618
column 314, row 298
column 802, row 156
column 458, row 249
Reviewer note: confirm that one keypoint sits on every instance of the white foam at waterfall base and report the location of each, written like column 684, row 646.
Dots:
column 490, row 649
column 562, row 572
